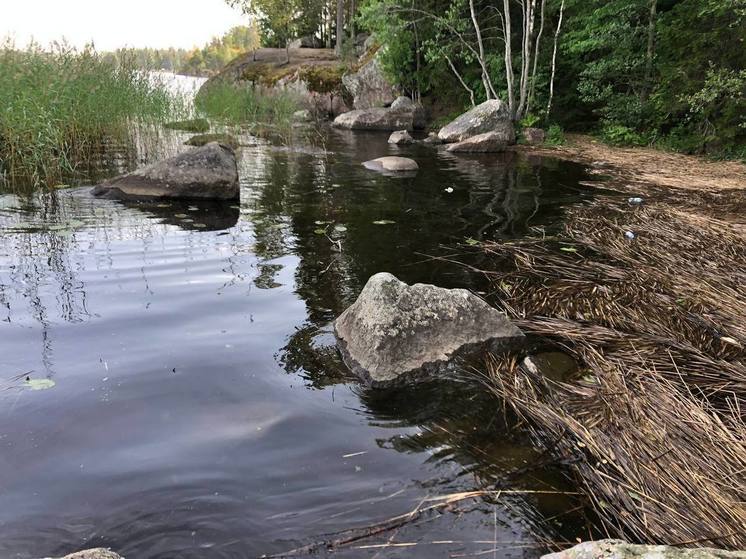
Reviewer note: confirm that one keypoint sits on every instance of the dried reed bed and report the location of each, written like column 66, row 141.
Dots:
column 653, row 427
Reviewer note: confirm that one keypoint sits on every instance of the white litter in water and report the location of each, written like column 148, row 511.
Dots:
column 629, row 234
column 449, row 190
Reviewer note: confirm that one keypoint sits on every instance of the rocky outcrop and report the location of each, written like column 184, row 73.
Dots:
column 369, row 86
column 490, row 116
column 401, row 137
column 392, row 164
column 403, row 114
column 98, row 553
column 208, row 172
column 396, row 332
column 617, row 549
column 533, row 136
column 405, row 104
column 489, row 142
column 305, row 42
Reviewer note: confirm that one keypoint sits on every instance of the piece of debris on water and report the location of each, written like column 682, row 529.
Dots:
column 449, row 189
column 635, row 200
column 384, row 222
column 629, row 234
column 39, row 383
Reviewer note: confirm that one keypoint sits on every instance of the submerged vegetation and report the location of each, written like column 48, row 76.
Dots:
column 61, row 107
column 649, row 300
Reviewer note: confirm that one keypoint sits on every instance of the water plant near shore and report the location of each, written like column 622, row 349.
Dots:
column 62, row 107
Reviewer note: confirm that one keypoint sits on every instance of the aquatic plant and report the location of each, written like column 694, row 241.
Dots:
column 63, row 107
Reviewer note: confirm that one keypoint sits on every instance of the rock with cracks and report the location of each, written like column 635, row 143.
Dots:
column 395, row 332
column 208, row 172
column 401, row 137
column 369, row 86
column 490, row 116
column 98, row 553
column 489, row 142
column 617, row 549
column 392, row 164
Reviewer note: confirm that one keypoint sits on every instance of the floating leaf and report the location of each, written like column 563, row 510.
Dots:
column 320, row 231
column 322, row 222
column 163, row 206
column 340, row 228
column 383, row 222
column 200, row 225
column 39, row 383
column 180, row 216
column 568, row 249
column 471, row 242
column 193, row 209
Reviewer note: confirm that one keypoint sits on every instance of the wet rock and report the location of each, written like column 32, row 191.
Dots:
column 617, row 549
column 489, row 142
column 490, row 116
column 401, row 137
column 98, row 553
column 392, row 163
column 369, row 86
column 203, row 139
column 375, row 119
column 432, row 138
column 207, row 172
column 405, row 104
column 533, row 136
column 396, row 332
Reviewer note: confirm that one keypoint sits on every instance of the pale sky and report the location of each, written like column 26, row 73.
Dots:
column 117, row 23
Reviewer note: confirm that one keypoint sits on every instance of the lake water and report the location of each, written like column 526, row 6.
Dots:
column 199, row 408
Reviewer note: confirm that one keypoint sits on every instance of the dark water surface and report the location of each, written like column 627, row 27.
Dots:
column 199, row 407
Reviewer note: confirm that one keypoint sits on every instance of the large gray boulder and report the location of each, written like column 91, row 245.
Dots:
column 375, row 119
column 489, row 142
column 617, row 549
column 490, row 116
column 405, row 104
column 369, row 86
column 207, row 172
column 396, row 332
column 98, row 553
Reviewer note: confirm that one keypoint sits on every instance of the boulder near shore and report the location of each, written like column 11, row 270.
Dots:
column 392, row 164
column 207, row 172
column 617, row 549
column 396, row 332
column 490, row 116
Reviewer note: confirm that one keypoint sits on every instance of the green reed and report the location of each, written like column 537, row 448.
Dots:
column 61, row 108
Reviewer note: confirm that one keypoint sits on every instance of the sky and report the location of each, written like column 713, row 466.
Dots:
column 111, row 24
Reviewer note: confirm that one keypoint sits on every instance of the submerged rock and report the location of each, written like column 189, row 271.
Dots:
column 401, row 137
column 208, row 172
column 482, row 143
column 203, row 139
column 392, row 163
column 617, row 549
column 396, row 332
column 490, row 116
column 98, row 553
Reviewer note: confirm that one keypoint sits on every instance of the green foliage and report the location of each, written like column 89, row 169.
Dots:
column 620, row 135
column 196, row 125
column 282, row 20
column 529, row 121
column 61, row 106
column 555, row 135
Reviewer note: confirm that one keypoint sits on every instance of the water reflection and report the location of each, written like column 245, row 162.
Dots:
column 183, row 337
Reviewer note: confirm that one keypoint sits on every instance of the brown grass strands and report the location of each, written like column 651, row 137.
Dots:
column 653, row 427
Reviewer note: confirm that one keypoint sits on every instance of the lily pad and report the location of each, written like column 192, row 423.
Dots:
column 320, row 231
column 568, row 249
column 181, row 216
column 200, row 225
column 383, row 222
column 340, row 228
column 39, row 383
column 471, row 242
column 322, row 222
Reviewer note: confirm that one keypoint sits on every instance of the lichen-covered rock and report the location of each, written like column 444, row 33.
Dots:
column 401, row 137
column 396, row 332
column 490, row 116
column 375, row 119
column 489, row 142
column 369, row 86
column 208, row 172
column 392, row 164
column 617, row 549
column 98, row 553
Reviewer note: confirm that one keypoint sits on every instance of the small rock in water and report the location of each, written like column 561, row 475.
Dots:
column 392, row 164
column 400, row 137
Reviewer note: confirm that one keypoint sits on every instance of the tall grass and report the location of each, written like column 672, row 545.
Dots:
column 238, row 104
column 59, row 108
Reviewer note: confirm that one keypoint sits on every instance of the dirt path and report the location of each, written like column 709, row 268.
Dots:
column 650, row 166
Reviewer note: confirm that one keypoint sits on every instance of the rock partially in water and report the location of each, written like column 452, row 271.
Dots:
column 432, row 138
column 369, row 86
column 405, row 104
column 396, row 332
column 401, row 137
column 203, row 139
column 393, row 164
column 489, row 142
column 98, row 553
column 196, row 125
column 617, row 549
column 533, row 136
column 375, row 119
column 490, row 116
column 208, row 172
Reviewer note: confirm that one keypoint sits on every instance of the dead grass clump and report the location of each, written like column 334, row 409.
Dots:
column 655, row 427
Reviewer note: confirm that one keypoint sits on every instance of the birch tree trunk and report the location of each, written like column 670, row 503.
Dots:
column 650, row 52
column 529, row 11
column 509, row 76
column 532, row 87
column 488, row 89
column 554, row 57
column 460, row 79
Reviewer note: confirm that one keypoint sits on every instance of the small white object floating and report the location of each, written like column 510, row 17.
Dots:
column 635, row 200
column 629, row 234
column 449, row 190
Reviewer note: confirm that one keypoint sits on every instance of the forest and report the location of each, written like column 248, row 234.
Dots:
column 669, row 73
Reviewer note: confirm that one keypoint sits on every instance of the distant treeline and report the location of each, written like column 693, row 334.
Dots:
column 203, row 61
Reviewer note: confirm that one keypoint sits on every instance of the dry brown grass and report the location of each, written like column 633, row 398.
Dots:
column 654, row 425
